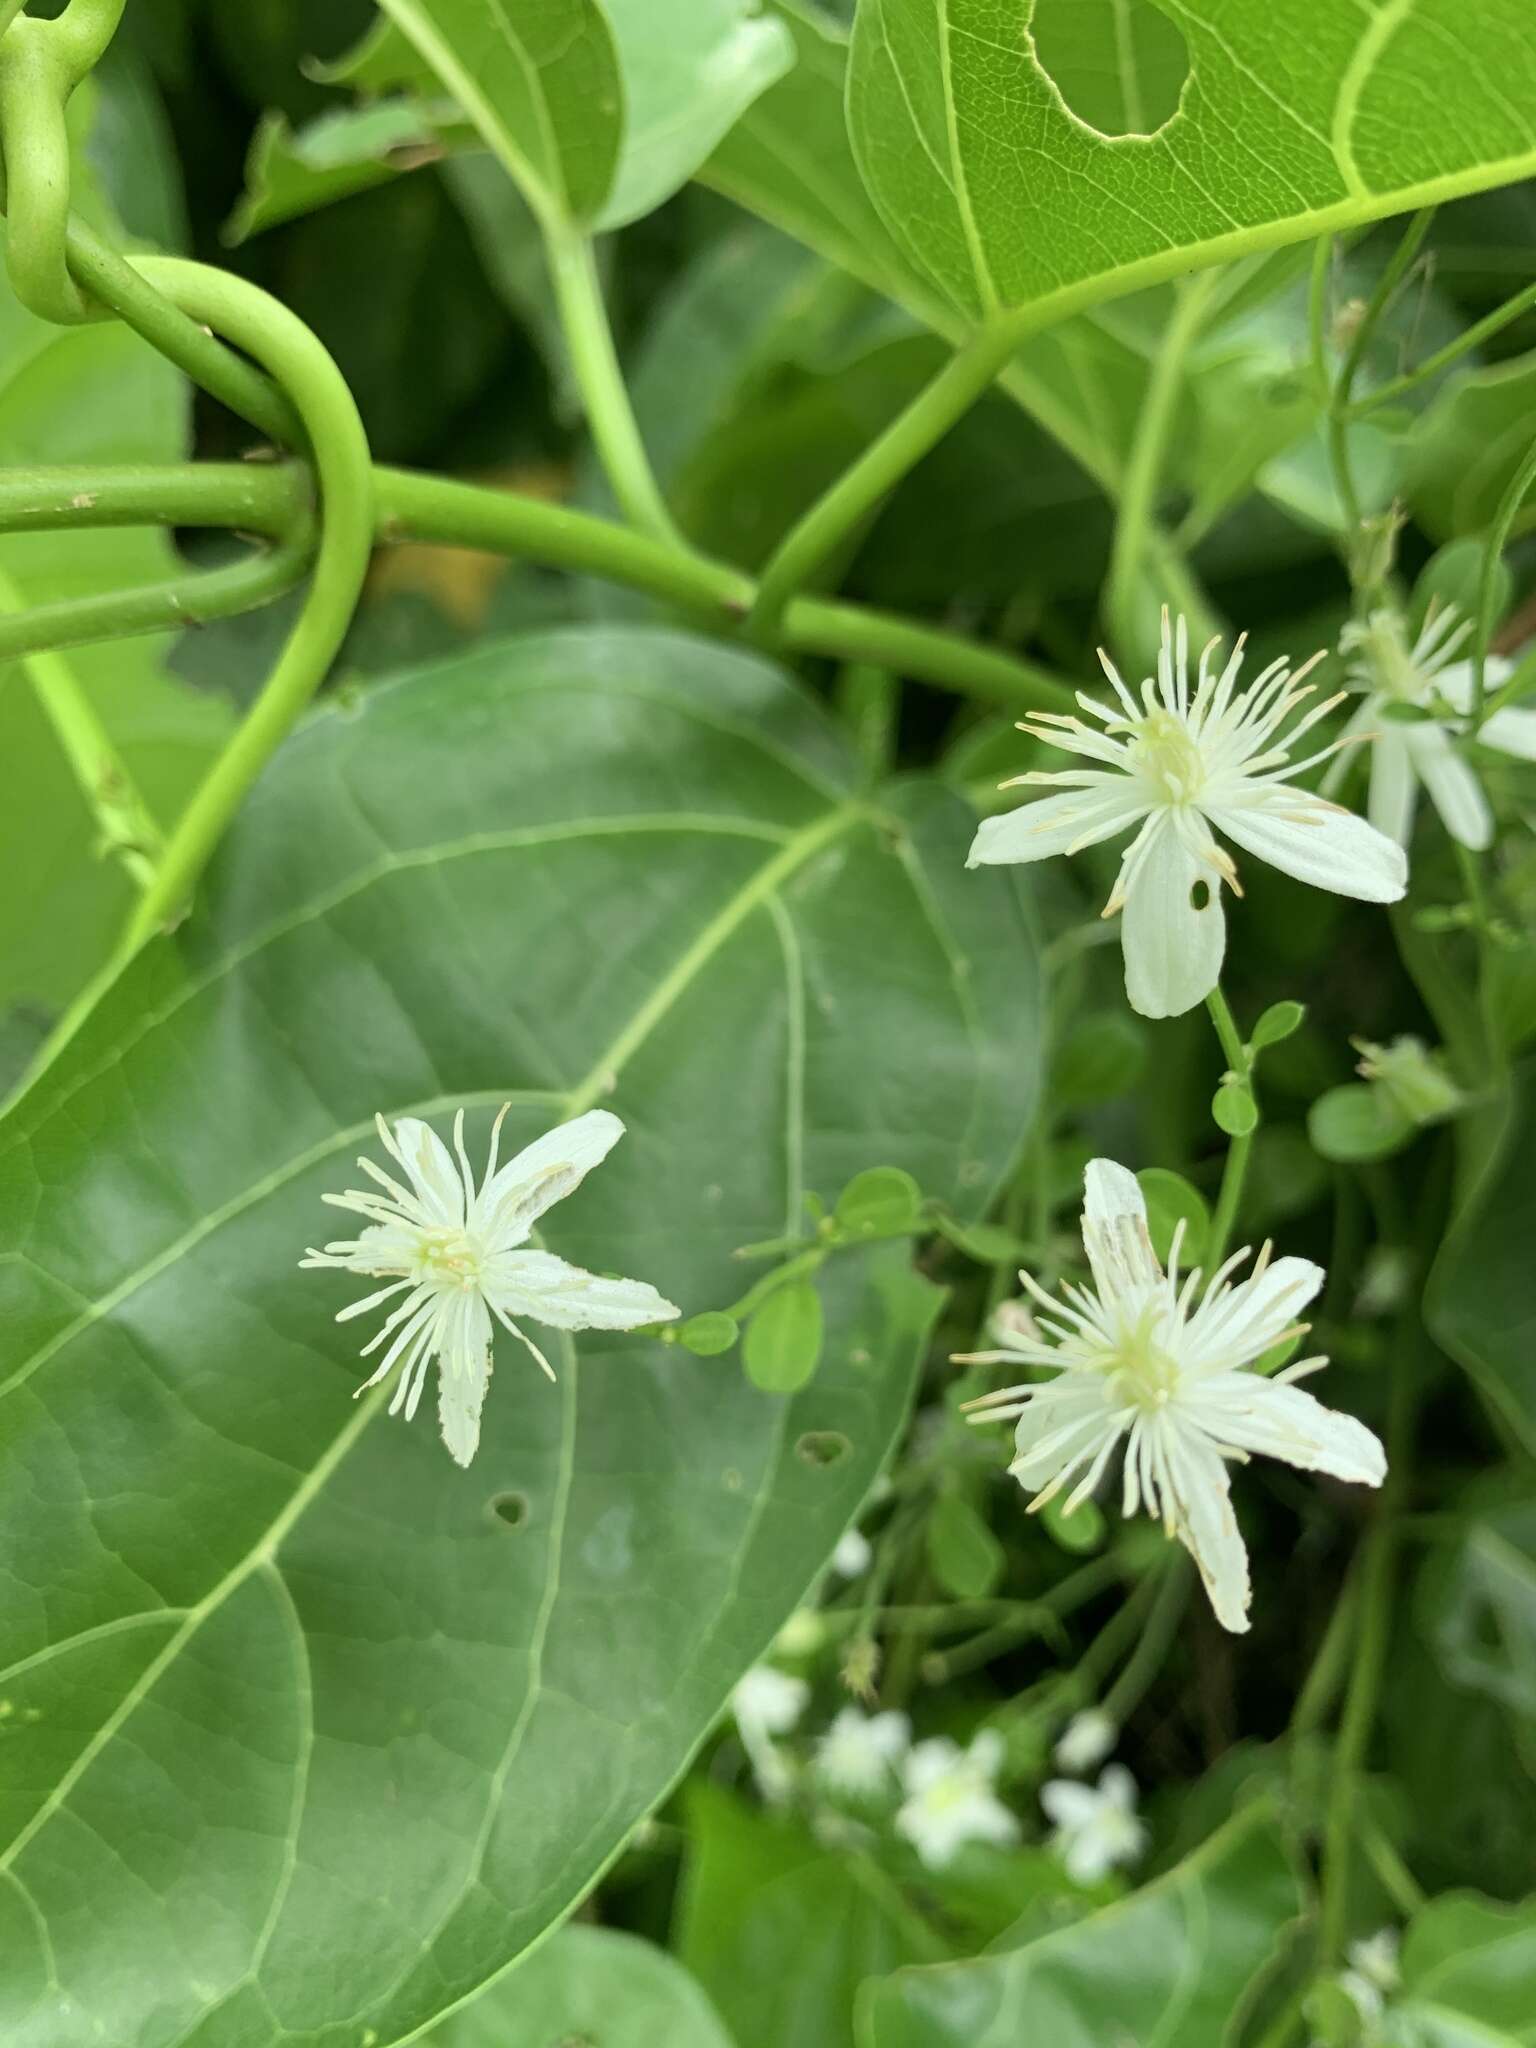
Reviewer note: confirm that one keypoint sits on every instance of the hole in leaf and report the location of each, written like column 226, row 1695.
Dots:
column 1120, row 65
column 511, row 1508
column 823, row 1447
column 1200, row 894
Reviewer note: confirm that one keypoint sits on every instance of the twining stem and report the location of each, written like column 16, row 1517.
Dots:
column 272, row 334
column 1469, row 339
column 269, row 498
column 595, row 363
column 839, row 512
column 1149, row 449
column 1326, row 1673
column 1233, row 1174
column 126, row 826
column 1157, row 1639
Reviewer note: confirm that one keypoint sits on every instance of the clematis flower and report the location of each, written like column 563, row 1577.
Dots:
column 767, row 1704
column 950, row 1798
column 859, row 1751
column 1417, row 750
column 1096, row 1828
column 1186, row 761
column 1163, row 1367
column 457, row 1255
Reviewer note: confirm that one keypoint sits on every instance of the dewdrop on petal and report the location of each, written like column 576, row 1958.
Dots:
column 458, row 1255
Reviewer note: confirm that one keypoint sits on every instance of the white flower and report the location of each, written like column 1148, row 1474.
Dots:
column 859, row 1751
column 852, row 1555
column 455, row 1252
column 1151, row 1361
column 1086, row 1740
column 1096, row 1829
column 1373, row 1973
column 767, row 1704
column 1423, row 750
column 1181, row 762
column 950, row 1800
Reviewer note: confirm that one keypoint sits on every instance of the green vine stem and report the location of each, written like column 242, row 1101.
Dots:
column 1149, row 449
column 1470, row 338
column 610, row 416
column 1235, row 1172
column 839, row 512
column 299, row 362
column 267, row 498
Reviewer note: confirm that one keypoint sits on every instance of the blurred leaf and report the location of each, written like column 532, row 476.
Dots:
column 782, row 1347
column 256, row 1605
column 1235, row 1110
column 1279, row 1022
column 780, row 1930
column 1078, row 1533
column 1468, row 1975
column 1118, row 64
column 1480, row 1608
column 1356, row 1123
column 1171, row 1200
column 91, row 394
column 965, row 1557
column 1099, row 1058
column 879, row 1201
column 1173, row 1962
column 1480, row 1303
column 707, row 1335
column 1465, row 450
column 349, row 150
column 589, row 1985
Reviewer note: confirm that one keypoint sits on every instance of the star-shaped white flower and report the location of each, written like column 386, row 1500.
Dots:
column 950, row 1798
column 859, row 1752
column 458, row 1255
column 1185, row 762
column 1156, row 1364
column 1096, row 1828
column 767, row 1704
column 1423, row 750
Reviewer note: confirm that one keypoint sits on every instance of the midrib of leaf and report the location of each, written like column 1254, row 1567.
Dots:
column 755, row 892
column 441, row 55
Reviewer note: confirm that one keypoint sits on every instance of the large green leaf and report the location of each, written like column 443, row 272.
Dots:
column 308, row 1730
column 589, row 1985
column 1469, row 1977
column 93, row 394
column 1172, row 1962
column 1481, row 1304
column 538, row 78
column 1292, row 122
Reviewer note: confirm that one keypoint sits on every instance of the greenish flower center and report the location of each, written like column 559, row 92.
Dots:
column 1166, row 757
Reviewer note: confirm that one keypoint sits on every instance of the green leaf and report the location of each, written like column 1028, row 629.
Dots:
column 539, row 80
column 289, row 173
column 1172, row 1200
column 1099, row 1058
column 1291, row 124
column 1468, row 1968
column 782, row 1347
column 92, row 394
column 1355, row 1123
column 706, row 1336
column 1279, row 1022
column 1078, row 1533
column 878, row 1203
column 1480, row 1608
column 1235, row 1110
column 306, row 1721
column 965, row 1556
column 1463, row 453
column 1479, row 1301
column 690, row 68
column 1170, row 1963
column 589, row 1984
column 780, row 1929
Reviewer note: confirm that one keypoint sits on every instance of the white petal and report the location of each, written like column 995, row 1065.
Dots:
column 1456, row 683
column 1115, row 1228
column 1118, row 1786
column 1317, row 842
column 1394, row 788
column 1242, row 1322
column 1453, row 789
column 433, row 1171
column 544, row 1172
column 1511, row 731
column 1286, row 1422
column 1069, row 1805
column 565, row 1297
column 1173, row 951
column 460, row 1397
column 1052, row 824
column 1207, row 1527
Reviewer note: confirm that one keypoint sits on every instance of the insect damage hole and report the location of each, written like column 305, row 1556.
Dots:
column 510, row 1508
column 823, row 1447
column 1199, row 894
column 1119, row 65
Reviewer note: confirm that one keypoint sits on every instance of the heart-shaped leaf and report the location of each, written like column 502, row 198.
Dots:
column 307, row 1732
